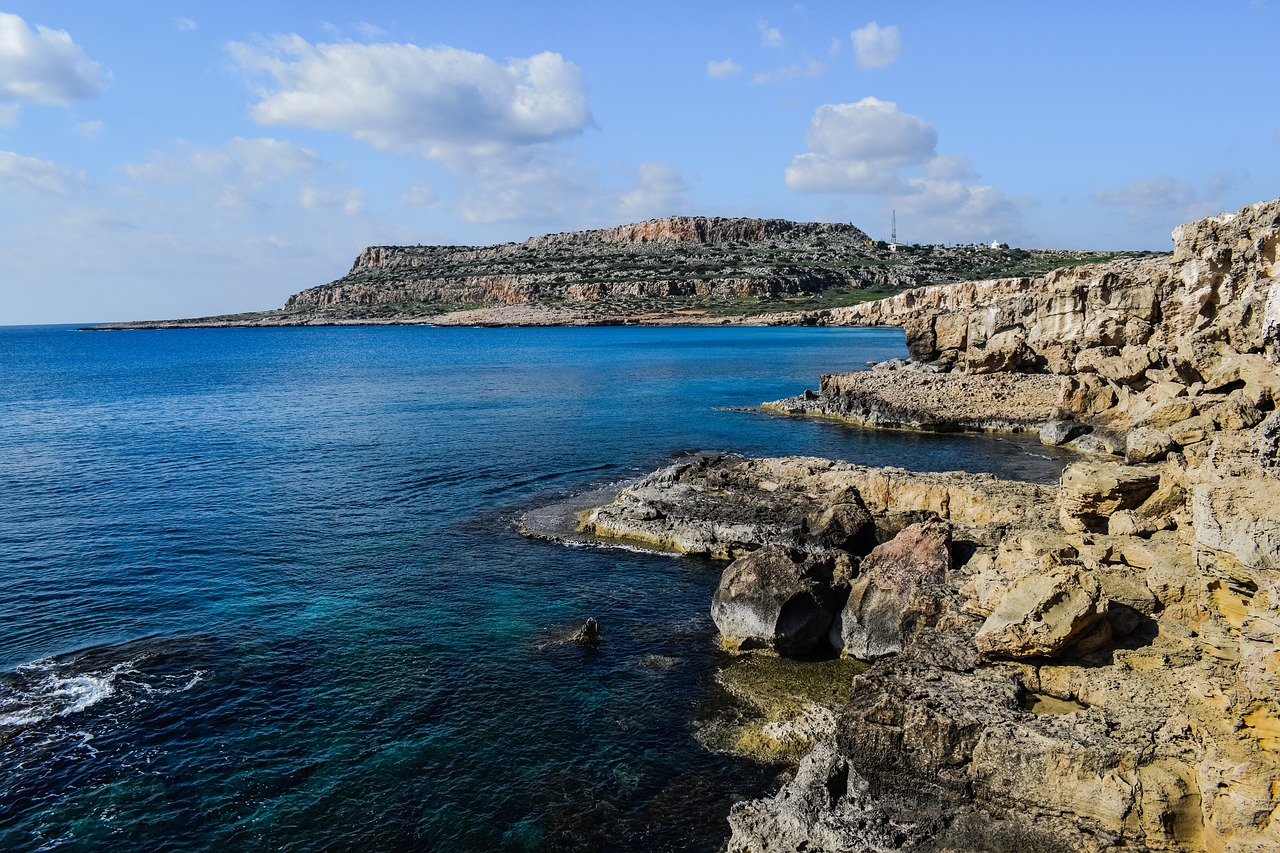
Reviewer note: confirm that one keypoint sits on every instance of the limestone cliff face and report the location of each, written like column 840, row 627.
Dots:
column 702, row 229
column 679, row 256
column 1214, row 300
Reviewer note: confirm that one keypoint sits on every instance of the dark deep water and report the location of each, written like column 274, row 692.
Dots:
column 261, row 588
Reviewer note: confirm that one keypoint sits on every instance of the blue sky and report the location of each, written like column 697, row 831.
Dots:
column 166, row 159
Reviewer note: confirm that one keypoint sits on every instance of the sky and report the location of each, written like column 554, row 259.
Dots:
column 180, row 159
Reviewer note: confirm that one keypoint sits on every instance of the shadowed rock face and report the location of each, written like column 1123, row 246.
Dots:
column 770, row 599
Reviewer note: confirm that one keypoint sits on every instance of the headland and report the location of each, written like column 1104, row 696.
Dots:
column 679, row 270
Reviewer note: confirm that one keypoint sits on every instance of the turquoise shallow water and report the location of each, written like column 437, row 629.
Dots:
column 262, row 588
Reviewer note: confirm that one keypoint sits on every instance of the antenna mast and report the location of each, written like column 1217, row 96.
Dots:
column 893, row 233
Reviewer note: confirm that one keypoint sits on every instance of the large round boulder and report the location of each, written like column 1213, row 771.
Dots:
column 775, row 598
column 897, row 591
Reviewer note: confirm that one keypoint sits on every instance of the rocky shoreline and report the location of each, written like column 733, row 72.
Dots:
column 1088, row 666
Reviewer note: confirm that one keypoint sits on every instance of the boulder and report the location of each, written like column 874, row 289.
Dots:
column 1191, row 430
column 1089, row 394
column 1047, row 615
column 898, row 589
column 1240, row 517
column 1059, row 431
column 1255, row 376
column 1165, row 414
column 1029, row 553
column 1124, row 366
column 1146, row 444
column 1004, row 352
column 1237, row 413
column 775, row 598
column 1091, row 491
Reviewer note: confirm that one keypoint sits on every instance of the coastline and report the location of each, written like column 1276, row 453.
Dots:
column 496, row 317
column 1088, row 666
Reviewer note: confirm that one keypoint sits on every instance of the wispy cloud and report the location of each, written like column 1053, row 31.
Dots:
column 89, row 129
column 795, row 71
column 1158, row 199
column 722, row 69
column 770, row 37
column 660, row 192
column 21, row 174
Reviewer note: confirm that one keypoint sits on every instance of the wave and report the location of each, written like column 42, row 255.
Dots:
column 65, row 685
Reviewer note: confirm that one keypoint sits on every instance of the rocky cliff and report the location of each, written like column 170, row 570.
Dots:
column 679, row 261
column 1088, row 666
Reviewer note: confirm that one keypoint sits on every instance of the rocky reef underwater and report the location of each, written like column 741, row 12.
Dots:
column 1087, row 666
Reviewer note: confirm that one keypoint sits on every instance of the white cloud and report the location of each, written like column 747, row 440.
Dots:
column 185, row 25
column 875, row 46
column 952, row 211
column 868, row 147
column 871, row 131
column 44, row 65
column 349, row 201
column 835, row 47
column 421, row 195
column 33, row 175
column 660, row 193
column 253, row 163
column 770, row 36
column 89, row 129
column 799, row 70
column 814, row 173
column 437, row 102
column 722, row 69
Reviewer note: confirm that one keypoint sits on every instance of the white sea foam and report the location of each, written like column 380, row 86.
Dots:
column 42, row 693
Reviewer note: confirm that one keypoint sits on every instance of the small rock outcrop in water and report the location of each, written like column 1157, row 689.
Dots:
column 588, row 635
column 1094, row 666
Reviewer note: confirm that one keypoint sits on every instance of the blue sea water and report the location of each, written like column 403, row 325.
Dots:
column 262, row 588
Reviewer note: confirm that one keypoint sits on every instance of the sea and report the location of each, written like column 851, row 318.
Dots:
column 263, row 589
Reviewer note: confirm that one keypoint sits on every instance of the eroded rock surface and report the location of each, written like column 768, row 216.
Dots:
column 1099, row 666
